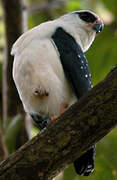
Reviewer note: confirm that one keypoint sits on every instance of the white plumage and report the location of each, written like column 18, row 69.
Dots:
column 37, row 63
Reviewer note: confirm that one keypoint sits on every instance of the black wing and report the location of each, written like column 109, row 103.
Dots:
column 77, row 71
column 74, row 62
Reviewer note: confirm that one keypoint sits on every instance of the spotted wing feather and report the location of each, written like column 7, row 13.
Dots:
column 74, row 62
column 76, row 68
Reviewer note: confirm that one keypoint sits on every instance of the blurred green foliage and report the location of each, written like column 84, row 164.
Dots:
column 102, row 57
column 111, row 5
column 12, row 128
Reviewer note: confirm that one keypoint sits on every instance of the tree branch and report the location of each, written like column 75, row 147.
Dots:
column 67, row 138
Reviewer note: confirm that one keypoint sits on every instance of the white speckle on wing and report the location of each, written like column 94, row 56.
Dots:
column 89, row 166
column 79, row 56
column 86, row 75
column 81, row 67
column 82, row 62
column 90, row 75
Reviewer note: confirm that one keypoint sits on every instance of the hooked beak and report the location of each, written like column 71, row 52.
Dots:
column 97, row 26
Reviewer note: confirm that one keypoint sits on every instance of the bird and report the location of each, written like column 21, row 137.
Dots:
column 51, row 71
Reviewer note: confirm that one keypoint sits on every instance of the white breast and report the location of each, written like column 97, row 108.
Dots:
column 39, row 65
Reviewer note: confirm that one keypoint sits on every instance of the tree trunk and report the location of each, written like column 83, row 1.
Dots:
column 3, row 149
column 67, row 138
column 13, row 18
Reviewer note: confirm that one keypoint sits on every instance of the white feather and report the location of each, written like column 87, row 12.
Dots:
column 37, row 63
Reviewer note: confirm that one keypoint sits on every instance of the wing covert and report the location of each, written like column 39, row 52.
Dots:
column 74, row 62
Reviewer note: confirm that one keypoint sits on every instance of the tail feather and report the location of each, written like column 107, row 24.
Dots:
column 84, row 165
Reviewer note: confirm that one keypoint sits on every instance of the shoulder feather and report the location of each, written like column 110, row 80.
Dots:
column 42, row 31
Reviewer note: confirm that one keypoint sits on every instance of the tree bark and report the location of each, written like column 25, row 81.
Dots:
column 13, row 18
column 3, row 149
column 67, row 138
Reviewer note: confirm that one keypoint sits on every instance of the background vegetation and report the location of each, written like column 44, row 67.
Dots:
column 102, row 57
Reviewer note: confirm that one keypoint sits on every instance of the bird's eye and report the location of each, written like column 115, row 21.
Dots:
column 84, row 16
column 87, row 17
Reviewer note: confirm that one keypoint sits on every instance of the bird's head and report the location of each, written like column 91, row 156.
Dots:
column 89, row 21
column 84, row 25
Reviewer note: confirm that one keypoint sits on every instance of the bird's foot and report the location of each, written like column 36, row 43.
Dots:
column 41, row 92
column 84, row 165
column 53, row 118
column 40, row 122
column 48, row 121
column 63, row 108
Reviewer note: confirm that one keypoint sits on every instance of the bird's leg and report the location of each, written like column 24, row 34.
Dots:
column 40, row 91
column 52, row 118
column 38, row 120
column 42, row 123
column 62, row 110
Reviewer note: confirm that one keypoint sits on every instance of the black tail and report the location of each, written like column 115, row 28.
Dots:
column 84, row 165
